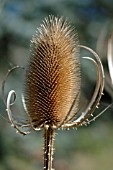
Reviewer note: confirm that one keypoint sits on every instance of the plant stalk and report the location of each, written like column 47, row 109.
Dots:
column 48, row 147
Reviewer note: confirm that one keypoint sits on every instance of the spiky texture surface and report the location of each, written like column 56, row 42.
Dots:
column 53, row 73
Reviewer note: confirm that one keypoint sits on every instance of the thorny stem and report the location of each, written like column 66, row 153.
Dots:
column 48, row 147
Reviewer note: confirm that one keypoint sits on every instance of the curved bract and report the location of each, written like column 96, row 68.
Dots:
column 93, row 104
column 69, row 121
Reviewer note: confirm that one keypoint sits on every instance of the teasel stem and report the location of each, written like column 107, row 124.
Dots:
column 48, row 147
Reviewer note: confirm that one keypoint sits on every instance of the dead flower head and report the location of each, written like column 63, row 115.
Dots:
column 52, row 82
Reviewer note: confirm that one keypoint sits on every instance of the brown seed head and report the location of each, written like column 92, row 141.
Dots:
column 53, row 73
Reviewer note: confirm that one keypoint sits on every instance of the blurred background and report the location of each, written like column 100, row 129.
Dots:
column 88, row 148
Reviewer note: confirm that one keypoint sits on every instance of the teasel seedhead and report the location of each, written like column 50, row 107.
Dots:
column 53, row 80
column 52, row 84
column 53, row 73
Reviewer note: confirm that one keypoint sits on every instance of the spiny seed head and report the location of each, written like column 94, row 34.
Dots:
column 53, row 73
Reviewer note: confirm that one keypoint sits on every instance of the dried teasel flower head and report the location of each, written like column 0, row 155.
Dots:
column 52, row 80
column 53, row 73
column 52, row 84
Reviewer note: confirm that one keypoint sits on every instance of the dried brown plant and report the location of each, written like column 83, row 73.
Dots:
column 52, row 84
